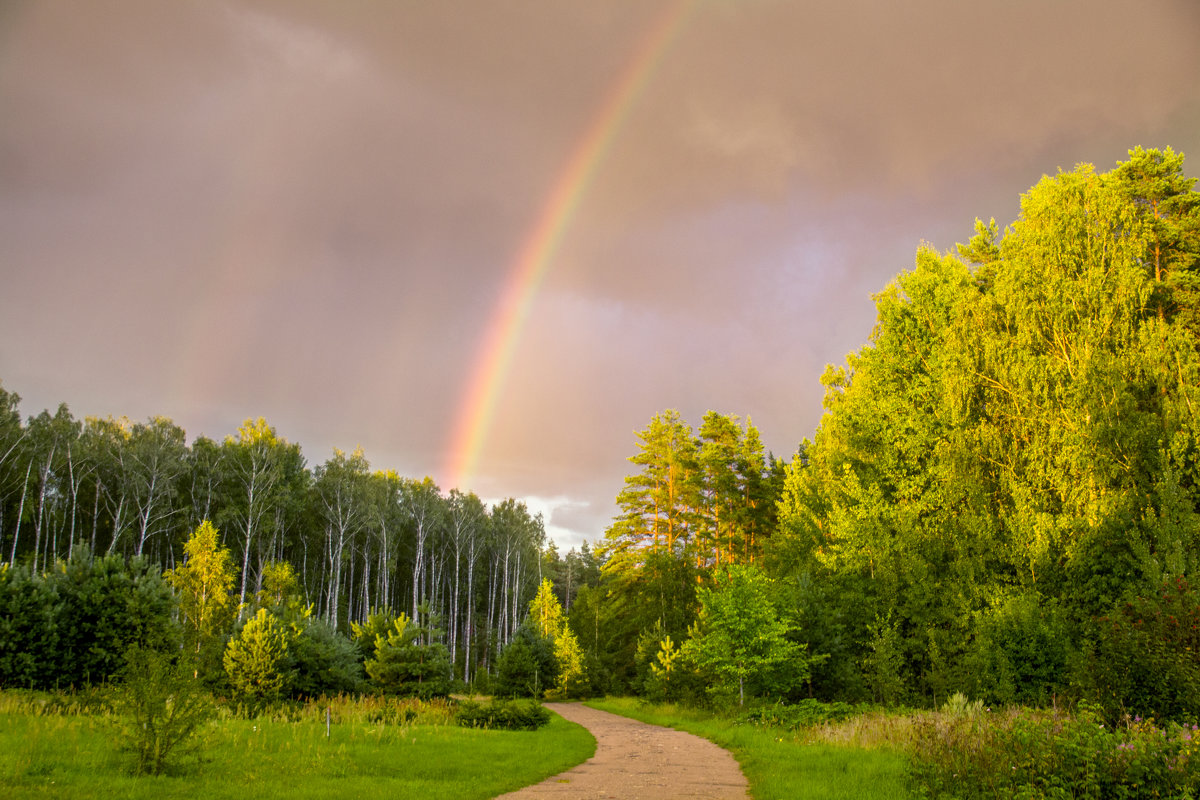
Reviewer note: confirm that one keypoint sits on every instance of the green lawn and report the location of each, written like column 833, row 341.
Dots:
column 779, row 763
column 76, row 756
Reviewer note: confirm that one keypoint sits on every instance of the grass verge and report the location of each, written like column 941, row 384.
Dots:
column 779, row 763
column 75, row 756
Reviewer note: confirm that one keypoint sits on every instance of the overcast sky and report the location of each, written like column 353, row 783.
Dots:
column 307, row 210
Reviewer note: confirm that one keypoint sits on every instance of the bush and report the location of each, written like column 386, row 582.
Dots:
column 322, row 662
column 1141, row 658
column 404, row 666
column 161, row 707
column 508, row 715
column 1031, row 754
column 71, row 625
column 1019, row 654
column 804, row 714
column 527, row 667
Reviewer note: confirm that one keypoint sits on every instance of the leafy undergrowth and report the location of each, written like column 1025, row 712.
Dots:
column 377, row 747
column 1050, row 754
column 782, row 762
column 503, row 715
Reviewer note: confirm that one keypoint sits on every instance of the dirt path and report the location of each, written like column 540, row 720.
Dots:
column 640, row 762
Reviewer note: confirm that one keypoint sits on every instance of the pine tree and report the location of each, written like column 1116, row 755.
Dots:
column 255, row 658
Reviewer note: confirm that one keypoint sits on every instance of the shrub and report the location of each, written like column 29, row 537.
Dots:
column 883, row 666
column 404, row 666
column 160, row 707
column 509, row 715
column 804, row 714
column 1031, row 754
column 322, row 662
column 71, row 625
column 1141, row 658
column 1019, row 653
column 526, row 667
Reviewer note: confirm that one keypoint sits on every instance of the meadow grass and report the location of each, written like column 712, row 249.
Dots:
column 77, row 756
column 784, row 764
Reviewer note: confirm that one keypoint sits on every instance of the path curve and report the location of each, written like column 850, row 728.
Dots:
column 640, row 762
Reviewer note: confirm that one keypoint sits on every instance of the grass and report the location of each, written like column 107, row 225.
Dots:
column 828, row 763
column 75, row 755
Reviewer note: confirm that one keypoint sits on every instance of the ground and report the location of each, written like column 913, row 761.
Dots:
column 636, row 761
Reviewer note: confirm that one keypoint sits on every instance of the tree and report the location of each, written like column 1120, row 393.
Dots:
column 527, row 666
column 263, row 471
column 720, row 449
column 404, row 666
column 465, row 520
column 321, row 661
column 546, row 617
column 203, row 583
column 1019, row 435
column 255, row 660
column 105, row 606
column 425, row 512
column 341, row 487
column 657, row 503
column 156, row 455
column 161, row 706
column 1154, row 181
column 739, row 638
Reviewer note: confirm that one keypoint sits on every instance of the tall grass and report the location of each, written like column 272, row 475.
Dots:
column 377, row 747
column 782, row 763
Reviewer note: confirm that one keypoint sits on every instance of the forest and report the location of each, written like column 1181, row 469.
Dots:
column 1001, row 502
column 1001, row 498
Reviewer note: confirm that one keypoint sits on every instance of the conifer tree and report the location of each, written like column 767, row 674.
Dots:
column 255, row 658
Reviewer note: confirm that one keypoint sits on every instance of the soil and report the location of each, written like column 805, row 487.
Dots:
column 636, row 761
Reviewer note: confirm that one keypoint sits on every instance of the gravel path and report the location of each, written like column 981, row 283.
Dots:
column 636, row 761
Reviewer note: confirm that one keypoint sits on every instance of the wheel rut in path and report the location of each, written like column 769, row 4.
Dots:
column 636, row 761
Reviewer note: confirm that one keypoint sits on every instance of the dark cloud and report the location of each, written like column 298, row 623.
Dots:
column 308, row 210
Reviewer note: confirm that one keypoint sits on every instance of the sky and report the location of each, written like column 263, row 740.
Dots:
column 488, row 241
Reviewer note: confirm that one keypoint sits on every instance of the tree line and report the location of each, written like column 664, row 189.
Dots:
column 359, row 539
column 1001, row 499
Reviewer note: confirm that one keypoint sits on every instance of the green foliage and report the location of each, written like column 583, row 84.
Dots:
column 959, row 704
column 377, row 624
column 1020, row 653
column 71, row 625
column 799, row 715
column 161, row 707
column 320, row 661
column 1052, row 755
column 1015, row 450
column 106, row 606
column 665, row 673
column 611, row 619
column 1142, row 657
column 527, row 666
column 203, row 586
column 546, row 616
column 505, row 715
column 404, row 666
column 255, row 660
column 884, row 663
column 739, row 639
column 28, row 628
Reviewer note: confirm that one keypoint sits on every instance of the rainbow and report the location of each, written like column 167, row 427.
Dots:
column 486, row 380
